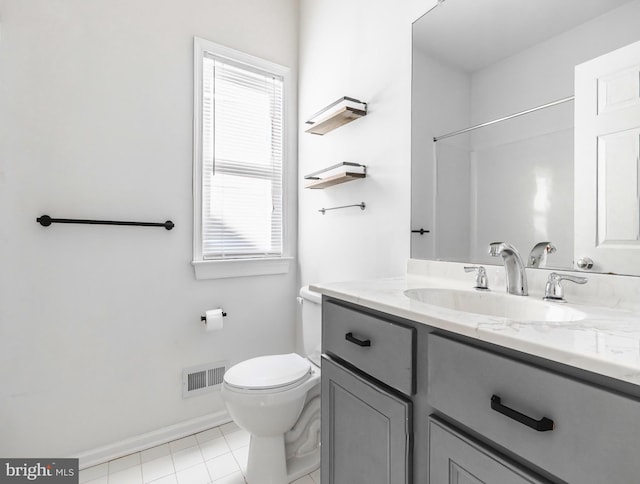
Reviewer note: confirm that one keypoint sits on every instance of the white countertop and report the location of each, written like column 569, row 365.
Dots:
column 606, row 342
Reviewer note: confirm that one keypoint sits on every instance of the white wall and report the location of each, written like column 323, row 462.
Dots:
column 97, row 323
column 360, row 49
column 441, row 100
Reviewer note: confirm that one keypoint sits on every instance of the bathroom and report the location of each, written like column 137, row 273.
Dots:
column 96, row 121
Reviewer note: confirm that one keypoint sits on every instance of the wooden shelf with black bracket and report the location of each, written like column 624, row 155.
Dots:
column 336, row 114
column 335, row 175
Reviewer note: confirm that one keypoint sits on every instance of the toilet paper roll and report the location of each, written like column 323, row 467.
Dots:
column 213, row 319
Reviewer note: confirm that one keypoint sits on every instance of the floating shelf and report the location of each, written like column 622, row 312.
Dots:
column 336, row 174
column 338, row 113
column 334, row 180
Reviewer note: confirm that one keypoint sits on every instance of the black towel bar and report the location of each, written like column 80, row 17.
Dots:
column 46, row 220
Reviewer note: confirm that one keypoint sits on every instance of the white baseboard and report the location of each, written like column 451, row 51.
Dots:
column 151, row 439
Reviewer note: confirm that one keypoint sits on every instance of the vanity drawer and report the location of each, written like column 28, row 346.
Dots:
column 380, row 348
column 596, row 433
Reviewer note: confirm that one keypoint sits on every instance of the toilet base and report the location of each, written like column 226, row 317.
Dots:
column 267, row 463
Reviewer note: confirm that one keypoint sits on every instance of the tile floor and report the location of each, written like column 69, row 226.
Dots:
column 217, row 455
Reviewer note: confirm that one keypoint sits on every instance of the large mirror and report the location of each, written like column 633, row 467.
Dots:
column 493, row 123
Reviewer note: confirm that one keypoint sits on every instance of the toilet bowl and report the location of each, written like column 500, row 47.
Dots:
column 276, row 399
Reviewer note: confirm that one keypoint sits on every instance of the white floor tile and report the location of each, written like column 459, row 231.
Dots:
column 157, row 468
column 132, row 475
column 235, row 478
column 166, row 480
column 187, row 458
column 237, row 439
column 241, row 455
column 92, row 473
column 123, row 463
column 214, row 448
column 99, row 480
column 184, row 443
column 155, row 453
column 222, row 466
column 211, row 434
column 315, row 475
column 194, row 475
column 216, row 455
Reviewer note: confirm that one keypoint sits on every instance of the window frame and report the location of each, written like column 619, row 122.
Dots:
column 239, row 267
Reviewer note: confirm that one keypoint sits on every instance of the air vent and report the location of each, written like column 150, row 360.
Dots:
column 203, row 379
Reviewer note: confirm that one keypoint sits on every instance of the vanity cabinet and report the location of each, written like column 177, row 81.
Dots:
column 407, row 403
column 366, row 423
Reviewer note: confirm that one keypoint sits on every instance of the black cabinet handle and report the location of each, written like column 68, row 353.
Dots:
column 360, row 342
column 542, row 425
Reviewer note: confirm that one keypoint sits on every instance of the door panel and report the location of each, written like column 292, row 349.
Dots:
column 607, row 157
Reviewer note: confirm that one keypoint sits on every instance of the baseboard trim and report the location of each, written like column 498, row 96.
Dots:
column 151, row 439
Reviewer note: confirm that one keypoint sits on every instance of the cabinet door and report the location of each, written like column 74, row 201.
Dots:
column 366, row 431
column 455, row 459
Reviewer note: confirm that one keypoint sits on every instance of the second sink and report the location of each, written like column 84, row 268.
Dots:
column 495, row 304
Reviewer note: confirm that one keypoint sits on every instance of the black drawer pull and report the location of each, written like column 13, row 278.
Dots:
column 542, row 425
column 360, row 342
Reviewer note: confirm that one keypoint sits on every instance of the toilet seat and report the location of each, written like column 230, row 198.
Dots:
column 268, row 373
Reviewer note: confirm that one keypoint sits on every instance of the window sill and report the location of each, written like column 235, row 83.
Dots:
column 221, row 269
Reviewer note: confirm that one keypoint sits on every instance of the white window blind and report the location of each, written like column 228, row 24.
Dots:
column 242, row 150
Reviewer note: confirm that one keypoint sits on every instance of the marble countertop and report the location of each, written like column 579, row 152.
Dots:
column 606, row 341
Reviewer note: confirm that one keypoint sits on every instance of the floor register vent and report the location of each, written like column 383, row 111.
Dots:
column 203, row 379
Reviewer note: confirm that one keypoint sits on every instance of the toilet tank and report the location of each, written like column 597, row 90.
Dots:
column 311, row 323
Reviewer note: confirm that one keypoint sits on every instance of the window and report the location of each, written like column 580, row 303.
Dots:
column 239, row 164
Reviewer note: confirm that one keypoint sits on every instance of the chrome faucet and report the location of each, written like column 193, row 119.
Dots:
column 538, row 255
column 513, row 266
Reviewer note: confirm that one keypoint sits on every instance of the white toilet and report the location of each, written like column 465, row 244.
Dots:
column 276, row 399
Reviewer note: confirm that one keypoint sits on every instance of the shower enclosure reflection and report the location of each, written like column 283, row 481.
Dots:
column 514, row 188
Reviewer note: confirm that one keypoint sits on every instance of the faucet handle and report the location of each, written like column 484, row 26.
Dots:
column 553, row 290
column 482, row 281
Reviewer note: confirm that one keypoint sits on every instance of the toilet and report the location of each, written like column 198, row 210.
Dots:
column 276, row 398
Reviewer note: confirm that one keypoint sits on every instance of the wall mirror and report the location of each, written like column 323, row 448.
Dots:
column 493, row 124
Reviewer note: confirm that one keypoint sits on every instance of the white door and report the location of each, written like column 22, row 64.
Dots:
column 607, row 160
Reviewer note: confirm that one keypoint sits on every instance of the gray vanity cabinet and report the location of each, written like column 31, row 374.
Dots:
column 368, row 374
column 365, row 430
column 456, row 458
column 405, row 403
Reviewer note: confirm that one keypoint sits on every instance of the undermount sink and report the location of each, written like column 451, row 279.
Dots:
column 516, row 308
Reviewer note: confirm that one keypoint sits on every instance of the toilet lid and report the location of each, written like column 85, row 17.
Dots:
column 271, row 371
